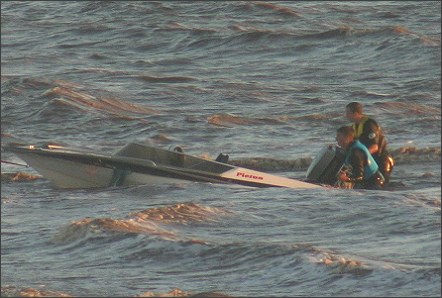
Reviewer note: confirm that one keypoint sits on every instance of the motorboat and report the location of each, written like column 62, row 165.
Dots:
column 143, row 164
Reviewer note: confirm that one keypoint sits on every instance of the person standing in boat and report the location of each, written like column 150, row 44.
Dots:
column 369, row 133
column 361, row 170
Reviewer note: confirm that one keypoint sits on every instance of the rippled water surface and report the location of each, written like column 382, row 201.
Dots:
column 266, row 83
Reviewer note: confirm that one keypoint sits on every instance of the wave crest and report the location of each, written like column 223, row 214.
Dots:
column 86, row 227
column 19, row 177
column 228, row 120
column 181, row 213
column 143, row 222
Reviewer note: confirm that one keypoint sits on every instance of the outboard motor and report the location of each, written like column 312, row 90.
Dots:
column 224, row 158
column 326, row 165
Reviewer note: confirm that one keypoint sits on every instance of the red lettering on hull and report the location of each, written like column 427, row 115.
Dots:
column 250, row 176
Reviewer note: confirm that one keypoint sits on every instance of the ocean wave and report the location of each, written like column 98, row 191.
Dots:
column 192, row 30
column 91, row 28
column 93, row 7
column 243, row 255
column 280, row 9
column 88, row 228
column 80, row 99
column 12, row 291
column 17, row 85
column 388, row 31
column 371, row 94
column 339, row 32
column 281, row 255
column 19, row 177
column 180, row 293
column 78, row 44
column 97, row 70
column 409, row 108
column 180, row 214
column 423, row 199
column 425, row 40
column 411, row 154
column 244, row 35
column 338, row 264
column 284, row 258
column 229, row 120
column 170, row 79
column 70, row 94
column 161, row 139
column 150, row 222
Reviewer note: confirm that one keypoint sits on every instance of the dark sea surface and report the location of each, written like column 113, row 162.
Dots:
column 266, row 83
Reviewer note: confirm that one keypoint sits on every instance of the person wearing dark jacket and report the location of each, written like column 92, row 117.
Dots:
column 362, row 171
column 369, row 133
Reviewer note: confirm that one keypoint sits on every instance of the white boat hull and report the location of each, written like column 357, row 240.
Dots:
column 69, row 174
column 137, row 164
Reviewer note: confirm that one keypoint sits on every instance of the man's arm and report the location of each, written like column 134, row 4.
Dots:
column 357, row 162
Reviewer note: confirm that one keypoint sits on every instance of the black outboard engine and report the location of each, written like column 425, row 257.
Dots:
column 326, row 165
column 222, row 158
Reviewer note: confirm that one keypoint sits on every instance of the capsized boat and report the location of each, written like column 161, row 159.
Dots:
column 138, row 164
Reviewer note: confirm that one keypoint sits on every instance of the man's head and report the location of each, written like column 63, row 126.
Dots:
column 353, row 112
column 345, row 136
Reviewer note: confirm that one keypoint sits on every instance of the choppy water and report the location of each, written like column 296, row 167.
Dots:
column 266, row 83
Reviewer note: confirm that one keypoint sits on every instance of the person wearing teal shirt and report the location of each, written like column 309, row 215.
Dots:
column 362, row 171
